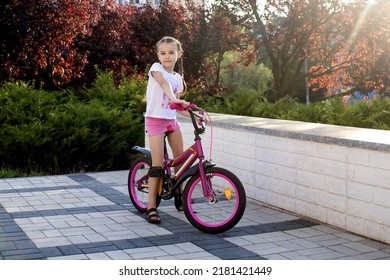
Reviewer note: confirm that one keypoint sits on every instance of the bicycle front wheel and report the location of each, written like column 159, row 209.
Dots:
column 221, row 208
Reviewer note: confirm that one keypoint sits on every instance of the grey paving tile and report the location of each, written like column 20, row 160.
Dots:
column 24, row 244
column 98, row 256
column 268, row 250
column 22, row 254
column 25, row 256
column 94, row 237
column 50, row 252
column 291, row 246
column 314, row 251
column 344, row 250
column 349, row 236
column 123, row 244
column 331, row 255
column 146, row 253
column 276, row 257
column 51, row 241
column 77, row 239
column 292, row 255
column 52, row 233
column 373, row 256
column 7, row 246
column 331, row 241
column 70, row 257
column 69, row 250
column 118, row 255
column 198, row 256
column 305, row 243
column 358, row 246
column 375, row 244
column 239, row 241
column 173, row 249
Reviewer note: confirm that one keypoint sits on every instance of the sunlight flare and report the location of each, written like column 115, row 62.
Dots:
column 355, row 32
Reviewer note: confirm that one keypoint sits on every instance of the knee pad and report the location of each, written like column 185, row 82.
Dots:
column 156, row 171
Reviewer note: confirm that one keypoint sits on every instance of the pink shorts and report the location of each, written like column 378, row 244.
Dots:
column 155, row 126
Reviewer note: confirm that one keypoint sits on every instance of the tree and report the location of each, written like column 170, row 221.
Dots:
column 292, row 32
column 223, row 36
column 363, row 59
column 40, row 42
column 225, row 31
column 194, row 40
column 316, row 32
column 65, row 46
column 124, row 39
column 110, row 45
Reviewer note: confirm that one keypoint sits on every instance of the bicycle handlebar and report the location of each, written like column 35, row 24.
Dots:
column 179, row 107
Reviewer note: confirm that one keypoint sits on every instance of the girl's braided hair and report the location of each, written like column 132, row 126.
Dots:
column 168, row 39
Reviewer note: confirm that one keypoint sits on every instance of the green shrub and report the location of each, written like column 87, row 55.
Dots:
column 62, row 132
column 238, row 76
column 16, row 173
column 239, row 103
column 245, row 86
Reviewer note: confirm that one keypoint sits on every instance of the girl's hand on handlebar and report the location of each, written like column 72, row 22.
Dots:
column 180, row 105
column 181, row 102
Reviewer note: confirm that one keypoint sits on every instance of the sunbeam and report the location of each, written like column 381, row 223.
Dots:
column 354, row 34
column 355, row 31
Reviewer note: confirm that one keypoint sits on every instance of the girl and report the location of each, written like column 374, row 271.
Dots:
column 164, row 87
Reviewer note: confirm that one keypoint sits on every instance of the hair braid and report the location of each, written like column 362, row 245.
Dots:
column 181, row 71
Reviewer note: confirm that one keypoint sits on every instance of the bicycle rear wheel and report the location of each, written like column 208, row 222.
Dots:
column 219, row 211
column 138, row 185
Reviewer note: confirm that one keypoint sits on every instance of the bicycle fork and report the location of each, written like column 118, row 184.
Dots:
column 205, row 177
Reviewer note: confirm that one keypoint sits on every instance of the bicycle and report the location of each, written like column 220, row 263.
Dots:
column 213, row 199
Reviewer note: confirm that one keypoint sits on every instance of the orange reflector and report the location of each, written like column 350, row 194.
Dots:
column 228, row 193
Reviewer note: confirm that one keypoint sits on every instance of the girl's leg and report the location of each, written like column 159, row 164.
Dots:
column 175, row 140
column 157, row 150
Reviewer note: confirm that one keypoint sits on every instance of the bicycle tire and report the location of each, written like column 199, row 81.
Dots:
column 139, row 196
column 221, row 213
column 178, row 199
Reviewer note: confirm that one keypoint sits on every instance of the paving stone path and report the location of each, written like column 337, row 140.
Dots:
column 90, row 216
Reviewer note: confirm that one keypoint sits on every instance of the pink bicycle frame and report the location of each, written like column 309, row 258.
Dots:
column 187, row 158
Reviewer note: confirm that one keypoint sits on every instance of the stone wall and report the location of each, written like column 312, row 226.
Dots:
column 337, row 175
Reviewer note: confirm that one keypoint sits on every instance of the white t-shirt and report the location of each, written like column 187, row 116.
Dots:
column 157, row 105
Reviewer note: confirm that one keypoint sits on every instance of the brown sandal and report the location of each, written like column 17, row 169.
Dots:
column 152, row 216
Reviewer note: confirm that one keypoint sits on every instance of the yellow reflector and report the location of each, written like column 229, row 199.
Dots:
column 228, row 193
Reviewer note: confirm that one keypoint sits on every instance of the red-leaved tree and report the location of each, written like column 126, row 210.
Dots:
column 39, row 44
column 124, row 39
column 362, row 61
column 338, row 39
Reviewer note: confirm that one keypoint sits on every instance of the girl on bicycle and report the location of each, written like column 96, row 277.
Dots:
column 164, row 87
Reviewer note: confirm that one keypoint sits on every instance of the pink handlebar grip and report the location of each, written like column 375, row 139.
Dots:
column 179, row 107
